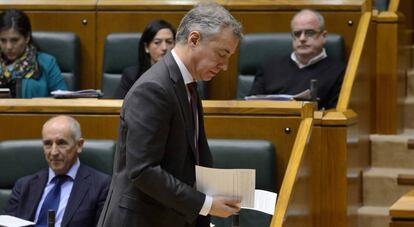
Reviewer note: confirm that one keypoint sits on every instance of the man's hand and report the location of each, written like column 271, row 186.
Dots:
column 224, row 206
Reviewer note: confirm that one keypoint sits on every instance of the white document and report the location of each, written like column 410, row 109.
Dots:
column 88, row 93
column 264, row 201
column 10, row 221
column 304, row 95
column 238, row 183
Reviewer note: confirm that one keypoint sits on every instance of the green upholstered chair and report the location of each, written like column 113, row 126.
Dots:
column 247, row 154
column 19, row 158
column 256, row 48
column 121, row 51
column 381, row 5
column 65, row 47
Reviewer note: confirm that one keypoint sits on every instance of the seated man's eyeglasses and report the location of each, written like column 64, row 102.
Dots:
column 308, row 33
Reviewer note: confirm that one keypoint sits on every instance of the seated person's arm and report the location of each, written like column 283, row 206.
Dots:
column 335, row 90
column 258, row 84
column 54, row 78
column 129, row 76
column 15, row 198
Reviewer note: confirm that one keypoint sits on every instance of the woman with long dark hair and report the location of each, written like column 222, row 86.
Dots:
column 24, row 70
column 157, row 40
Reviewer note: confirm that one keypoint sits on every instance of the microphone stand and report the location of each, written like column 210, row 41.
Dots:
column 19, row 78
column 51, row 215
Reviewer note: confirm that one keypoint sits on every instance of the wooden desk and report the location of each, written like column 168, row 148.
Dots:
column 99, row 119
column 402, row 211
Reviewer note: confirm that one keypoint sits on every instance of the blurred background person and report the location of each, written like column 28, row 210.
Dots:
column 157, row 40
column 292, row 74
column 25, row 71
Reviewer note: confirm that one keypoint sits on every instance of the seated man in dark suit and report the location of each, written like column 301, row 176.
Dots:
column 292, row 74
column 75, row 191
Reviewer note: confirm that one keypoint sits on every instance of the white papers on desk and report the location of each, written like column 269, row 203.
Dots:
column 238, row 183
column 10, row 221
column 304, row 95
column 264, row 201
column 87, row 93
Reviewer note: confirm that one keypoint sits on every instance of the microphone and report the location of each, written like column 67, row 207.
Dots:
column 51, row 215
column 236, row 220
column 19, row 78
column 314, row 90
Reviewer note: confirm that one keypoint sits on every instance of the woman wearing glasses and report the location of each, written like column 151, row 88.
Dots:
column 292, row 74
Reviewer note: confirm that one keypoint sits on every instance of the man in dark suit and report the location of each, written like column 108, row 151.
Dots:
column 80, row 190
column 161, row 134
column 291, row 74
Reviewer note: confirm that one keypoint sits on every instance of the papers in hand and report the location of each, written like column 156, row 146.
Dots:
column 264, row 201
column 304, row 95
column 88, row 93
column 236, row 183
column 10, row 221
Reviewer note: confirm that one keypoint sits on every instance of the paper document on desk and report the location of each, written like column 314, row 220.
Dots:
column 87, row 93
column 304, row 95
column 10, row 221
column 238, row 183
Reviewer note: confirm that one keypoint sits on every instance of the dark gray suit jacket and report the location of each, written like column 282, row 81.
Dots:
column 85, row 203
column 154, row 172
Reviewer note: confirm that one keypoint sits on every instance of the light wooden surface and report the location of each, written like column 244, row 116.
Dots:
column 151, row 5
column 403, row 208
column 50, row 105
column 49, row 4
column 323, row 5
column 353, row 63
column 390, row 86
column 292, row 172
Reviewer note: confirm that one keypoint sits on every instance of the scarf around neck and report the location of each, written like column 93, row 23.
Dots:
column 25, row 66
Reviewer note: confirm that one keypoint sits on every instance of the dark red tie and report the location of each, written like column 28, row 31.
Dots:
column 192, row 88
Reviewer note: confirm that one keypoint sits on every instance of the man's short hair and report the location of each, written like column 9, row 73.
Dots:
column 75, row 129
column 317, row 14
column 208, row 19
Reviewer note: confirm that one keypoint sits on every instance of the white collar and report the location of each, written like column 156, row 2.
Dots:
column 71, row 173
column 188, row 78
column 312, row 61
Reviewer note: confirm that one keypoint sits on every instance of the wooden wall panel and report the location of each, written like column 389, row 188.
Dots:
column 83, row 24
column 269, row 128
column 29, row 126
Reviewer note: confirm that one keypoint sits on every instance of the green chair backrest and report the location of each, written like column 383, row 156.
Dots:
column 247, row 154
column 120, row 52
column 65, row 47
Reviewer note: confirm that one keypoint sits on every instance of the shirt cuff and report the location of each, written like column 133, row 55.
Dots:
column 206, row 206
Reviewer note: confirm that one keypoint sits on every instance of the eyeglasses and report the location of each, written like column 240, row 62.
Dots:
column 309, row 33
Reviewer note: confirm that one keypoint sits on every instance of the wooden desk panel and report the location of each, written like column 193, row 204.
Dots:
column 99, row 119
column 168, row 5
column 402, row 211
column 48, row 4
